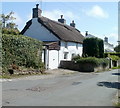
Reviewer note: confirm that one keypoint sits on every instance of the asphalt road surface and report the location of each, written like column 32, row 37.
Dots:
column 78, row 89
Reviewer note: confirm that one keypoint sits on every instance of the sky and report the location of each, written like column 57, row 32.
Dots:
column 98, row 18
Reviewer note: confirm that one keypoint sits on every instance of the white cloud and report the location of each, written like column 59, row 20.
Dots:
column 55, row 15
column 97, row 11
column 113, row 38
column 18, row 19
column 29, row 16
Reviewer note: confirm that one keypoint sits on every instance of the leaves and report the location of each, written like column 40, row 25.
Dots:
column 21, row 50
column 93, row 47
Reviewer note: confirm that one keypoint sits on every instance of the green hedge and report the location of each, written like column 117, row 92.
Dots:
column 13, row 31
column 93, row 47
column 95, row 61
column 21, row 51
column 112, row 53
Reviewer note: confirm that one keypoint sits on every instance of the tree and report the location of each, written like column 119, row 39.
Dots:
column 5, row 18
column 117, row 48
column 93, row 47
column 11, row 25
column 8, row 26
column 101, row 48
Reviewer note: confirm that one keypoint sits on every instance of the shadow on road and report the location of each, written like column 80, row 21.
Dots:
column 115, row 73
column 115, row 85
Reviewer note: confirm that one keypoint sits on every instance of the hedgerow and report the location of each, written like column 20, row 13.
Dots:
column 20, row 51
column 94, row 61
column 93, row 47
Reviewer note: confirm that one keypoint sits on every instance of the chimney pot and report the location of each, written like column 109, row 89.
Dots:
column 86, row 33
column 62, row 20
column 37, row 5
column 106, row 39
column 61, row 16
column 72, row 24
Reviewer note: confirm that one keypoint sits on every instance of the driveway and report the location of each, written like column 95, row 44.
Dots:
column 71, row 89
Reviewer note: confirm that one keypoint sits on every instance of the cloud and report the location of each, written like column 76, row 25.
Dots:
column 18, row 19
column 29, row 16
column 55, row 15
column 113, row 38
column 98, row 12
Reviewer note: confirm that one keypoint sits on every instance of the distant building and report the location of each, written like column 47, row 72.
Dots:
column 61, row 41
column 107, row 46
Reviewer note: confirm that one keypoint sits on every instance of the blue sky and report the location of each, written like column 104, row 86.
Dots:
column 98, row 18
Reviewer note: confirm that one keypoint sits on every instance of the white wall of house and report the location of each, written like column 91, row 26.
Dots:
column 37, row 31
column 72, row 48
column 109, row 47
column 53, row 57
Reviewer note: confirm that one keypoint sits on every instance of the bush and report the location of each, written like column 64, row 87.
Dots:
column 93, row 47
column 112, row 53
column 94, row 61
column 13, row 31
column 114, row 57
column 19, row 50
column 76, row 58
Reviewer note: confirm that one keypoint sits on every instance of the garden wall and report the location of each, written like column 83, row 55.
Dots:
column 87, row 67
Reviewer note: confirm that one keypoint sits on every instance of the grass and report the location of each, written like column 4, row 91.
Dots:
column 117, row 105
column 116, row 67
column 7, row 76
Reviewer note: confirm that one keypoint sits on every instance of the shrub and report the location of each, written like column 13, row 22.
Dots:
column 76, row 58
column 114, row 57
column 94, row 61
column 93, row 47
column 13, row 31
column 19, row 50
column 112, row 53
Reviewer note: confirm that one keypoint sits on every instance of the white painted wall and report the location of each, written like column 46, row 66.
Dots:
column 70, row 49
column 53, row 57
column 109, row 47
column 37, row 31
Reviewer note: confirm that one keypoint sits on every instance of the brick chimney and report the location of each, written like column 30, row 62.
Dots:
column 62, row 20
column 72, row 24
column 86, row 33
column 106, row 39
column 36, row 12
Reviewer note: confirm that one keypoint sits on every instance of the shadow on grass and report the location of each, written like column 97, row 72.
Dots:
column 115, row 85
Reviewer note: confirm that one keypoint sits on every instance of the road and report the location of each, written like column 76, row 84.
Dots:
column 78, row 89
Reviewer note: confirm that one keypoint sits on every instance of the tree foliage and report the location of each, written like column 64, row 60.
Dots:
column 5, row 18
column 93, row 47
column 117, row 48
column 20, row 51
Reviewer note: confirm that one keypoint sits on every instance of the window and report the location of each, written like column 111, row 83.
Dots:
column 76, row 45
column 65, row 55
column 73, row 55
column 66, row 45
